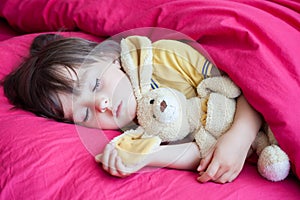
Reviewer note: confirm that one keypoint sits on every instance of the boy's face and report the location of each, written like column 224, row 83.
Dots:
column 105, row 99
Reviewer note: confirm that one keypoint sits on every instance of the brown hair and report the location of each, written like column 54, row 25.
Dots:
column 34, row 86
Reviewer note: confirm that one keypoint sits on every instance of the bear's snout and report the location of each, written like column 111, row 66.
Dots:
column 163, row 106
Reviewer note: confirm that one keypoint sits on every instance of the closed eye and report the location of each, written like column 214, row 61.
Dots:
column 97, row 84
column 86, row 115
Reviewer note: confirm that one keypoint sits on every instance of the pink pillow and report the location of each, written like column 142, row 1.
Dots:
column 12, row 52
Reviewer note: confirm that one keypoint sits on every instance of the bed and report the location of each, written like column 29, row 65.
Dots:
column 44, row 159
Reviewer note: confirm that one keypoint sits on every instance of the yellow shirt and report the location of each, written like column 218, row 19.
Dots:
column 176, row 65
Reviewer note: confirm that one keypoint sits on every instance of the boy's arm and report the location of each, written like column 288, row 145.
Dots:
column 224, row 162
column 178, row 156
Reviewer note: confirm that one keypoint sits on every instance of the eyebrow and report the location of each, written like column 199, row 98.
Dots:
column 86, row 115
column 97, row 83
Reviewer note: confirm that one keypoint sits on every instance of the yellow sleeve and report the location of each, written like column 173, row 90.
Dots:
column 179, row 66
column 175, row 64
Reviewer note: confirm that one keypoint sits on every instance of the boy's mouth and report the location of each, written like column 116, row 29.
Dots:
column 117, row 110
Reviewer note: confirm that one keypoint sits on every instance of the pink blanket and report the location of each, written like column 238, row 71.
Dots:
column 256, row 42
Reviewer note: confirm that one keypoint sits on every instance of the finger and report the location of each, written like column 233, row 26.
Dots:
column 210, row 173
column 226, row 178
column 112, row 163
column 98, row 158
column 106, row 157
column 205, row 161
column 219, row 173
column 226, row 174
column 203, row 178
column 122, row 170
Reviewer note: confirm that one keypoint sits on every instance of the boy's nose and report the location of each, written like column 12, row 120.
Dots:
column 103, row 104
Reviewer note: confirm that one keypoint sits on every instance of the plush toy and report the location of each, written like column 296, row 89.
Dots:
column 166, row 115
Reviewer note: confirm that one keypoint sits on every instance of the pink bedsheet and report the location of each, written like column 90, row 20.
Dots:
column 255, row 42
column 42, row 159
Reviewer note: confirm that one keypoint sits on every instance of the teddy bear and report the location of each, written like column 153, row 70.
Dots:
column 166, row 115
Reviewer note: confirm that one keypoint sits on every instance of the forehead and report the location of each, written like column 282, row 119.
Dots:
column 85, row 72
column 97, row 68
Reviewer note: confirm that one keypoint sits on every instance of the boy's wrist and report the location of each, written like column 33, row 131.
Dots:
column 154, row 158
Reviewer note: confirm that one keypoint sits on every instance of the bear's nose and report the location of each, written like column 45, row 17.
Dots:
column 163, row 106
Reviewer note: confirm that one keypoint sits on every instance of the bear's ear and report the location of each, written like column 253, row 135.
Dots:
column 219, row 84
column 136, row 57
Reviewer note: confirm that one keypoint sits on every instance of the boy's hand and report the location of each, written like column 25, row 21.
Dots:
column 113, row 164
column 224, row 161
